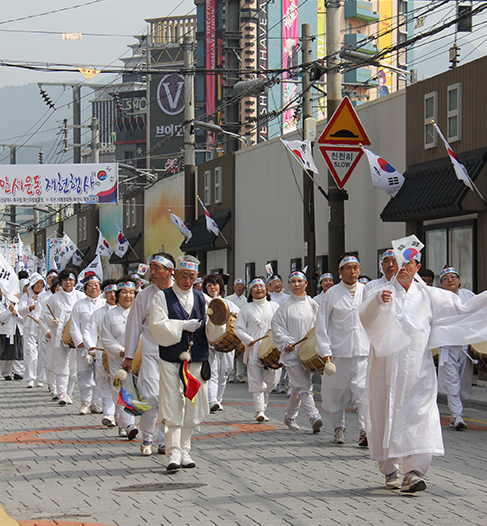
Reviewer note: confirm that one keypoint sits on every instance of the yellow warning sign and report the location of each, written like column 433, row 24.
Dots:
column 89, row 73
column 344, row 127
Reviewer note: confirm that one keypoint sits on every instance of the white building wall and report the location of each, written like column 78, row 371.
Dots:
column 269, row 209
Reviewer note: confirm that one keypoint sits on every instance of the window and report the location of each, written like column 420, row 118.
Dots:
column 82, row 228
column 455, row 112
column 295, row 264
column 451, row 244
column 430, row 113
column 249, row 271
column 207, row 187
column 218, row 184
column 402, row 7
column 39, row 245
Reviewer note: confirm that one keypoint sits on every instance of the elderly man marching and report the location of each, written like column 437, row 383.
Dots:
column 253, row 323
column 290, row 324
column 180, row 328
column 387, row 268
column 339, row 333
column 455, row 367
column 161, row 269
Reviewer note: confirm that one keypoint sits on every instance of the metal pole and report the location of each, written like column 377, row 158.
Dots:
column 336, row 214
column 189, row 132
column 76, row 124
column 13, row 212
column 308, row 187
column 95, row 140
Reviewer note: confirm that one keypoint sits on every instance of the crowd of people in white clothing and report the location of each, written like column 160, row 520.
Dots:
column 378, row 334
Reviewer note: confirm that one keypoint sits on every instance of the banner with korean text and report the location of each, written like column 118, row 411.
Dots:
column 58, row 184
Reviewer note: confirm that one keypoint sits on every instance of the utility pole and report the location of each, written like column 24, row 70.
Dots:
column 233, row 35
column 95, row 140
column 336, row 197
column 76, row 124
column 189, row 132
column 13, row 210
column 308, row 187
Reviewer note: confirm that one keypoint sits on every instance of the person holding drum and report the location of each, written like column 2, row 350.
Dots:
column 455, row 368
column 161, row 269
column 81, row 333
column 240, row 299
column 57, row 313
column 326, row 282
column 339, row 333
column 221, row 363
column 252, row 325
column 290, row 325
column 112, row 339
column 179, row 325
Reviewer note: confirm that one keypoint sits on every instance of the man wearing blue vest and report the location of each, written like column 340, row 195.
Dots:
column 179, row 326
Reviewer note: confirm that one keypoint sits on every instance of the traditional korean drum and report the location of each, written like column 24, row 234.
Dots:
column 218, row 312
column 308, row 356
column 478, row 351
column 66, row 337
column 228, row 341
column 269, row 355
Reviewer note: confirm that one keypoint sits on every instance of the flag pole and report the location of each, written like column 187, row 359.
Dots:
column 78, row 251
column 131, row 248
column 219, row 231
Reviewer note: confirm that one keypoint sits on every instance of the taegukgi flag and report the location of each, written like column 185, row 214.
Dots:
column 103, row 248
column 182, row 226
column 121, row 244
column 303, row 152
column 384, row 175
column 211, row 225
column 406, row 249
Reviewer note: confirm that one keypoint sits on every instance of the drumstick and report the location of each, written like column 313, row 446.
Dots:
column 300, row 341
column 32, row 318
column 50, row 310
column 263, row 337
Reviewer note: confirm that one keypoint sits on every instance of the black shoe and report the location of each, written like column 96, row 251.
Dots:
column 7, row 378
column 161, row 450
column 132, row 432
column 18, row 377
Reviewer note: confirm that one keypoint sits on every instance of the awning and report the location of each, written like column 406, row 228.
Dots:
column 202, row 239
column 132, row 239
column 432, row 190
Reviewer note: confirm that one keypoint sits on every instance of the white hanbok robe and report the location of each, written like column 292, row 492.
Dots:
column 371, row 285
column 31, row 333
column 279, row 297
column 112, row 338
column 399, row 402
column 253, row 322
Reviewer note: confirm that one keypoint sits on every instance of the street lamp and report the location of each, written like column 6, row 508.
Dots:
column 218, row 129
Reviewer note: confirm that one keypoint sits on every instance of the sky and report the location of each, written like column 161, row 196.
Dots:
column 20, row 40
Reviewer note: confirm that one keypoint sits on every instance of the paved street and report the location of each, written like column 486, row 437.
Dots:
column 58, row 467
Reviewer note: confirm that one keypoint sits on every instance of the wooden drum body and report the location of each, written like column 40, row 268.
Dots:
column 228, row 341
column 308, row 356
column 66, row 337
column 478, row 351
column 269, row 355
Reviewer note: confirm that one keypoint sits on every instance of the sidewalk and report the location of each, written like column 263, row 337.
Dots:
column 61, row 468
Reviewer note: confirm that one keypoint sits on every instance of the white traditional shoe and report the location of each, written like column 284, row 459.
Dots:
column 30, row 384
column 40, row 384
column 122, row 432
column 69, row 400
column 108, row 420
column 84, row 409
column 459, row 423
column 146, row 449
column 186, row 461
column 173, row 460
column 96, row 409
column 62, row 399
column 260, row 417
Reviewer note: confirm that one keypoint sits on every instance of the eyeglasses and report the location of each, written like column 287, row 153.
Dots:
column 450, row 277
column 183, row 275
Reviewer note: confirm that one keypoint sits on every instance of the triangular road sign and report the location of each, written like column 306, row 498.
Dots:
column 341, row 161
column 344, row 127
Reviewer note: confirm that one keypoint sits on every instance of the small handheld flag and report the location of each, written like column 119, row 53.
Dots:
column 406, row 249
column 121, row 244
column 103, row 247
column 191, row 384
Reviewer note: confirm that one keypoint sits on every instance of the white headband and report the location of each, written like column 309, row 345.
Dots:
column 348, row 259
column 163, row 261
column 297, row 274
column 256, row 281
column 127, row 285
column 188, row 265
column 238, row 280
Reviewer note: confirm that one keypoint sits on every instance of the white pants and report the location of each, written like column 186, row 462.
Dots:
column 221, row 364
column 65, row 369
column 41, row 360
column 86, row 379
column 238, row 371
column 302, row 393
column 30, row 353
column 261, row 382
column 148, row 387
column 176, row 411
column 51, row 373
column 419, row 463
column 455, row 379
column 104, row 385
column 347, row 384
